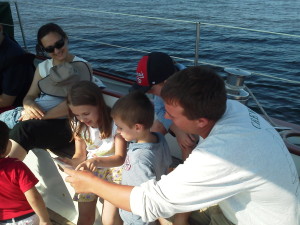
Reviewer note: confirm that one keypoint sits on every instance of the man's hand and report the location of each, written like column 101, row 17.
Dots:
column 187, row 142
column 158, row 127
column 81, row 181
column 84, row 181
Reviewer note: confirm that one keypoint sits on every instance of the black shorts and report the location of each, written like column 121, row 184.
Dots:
column 49, row 134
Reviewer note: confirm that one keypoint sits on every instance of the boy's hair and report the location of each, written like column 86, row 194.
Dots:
column 134, row 108
column 199, row 91
column 48, row 28
column 88, row 93
column 4, row 134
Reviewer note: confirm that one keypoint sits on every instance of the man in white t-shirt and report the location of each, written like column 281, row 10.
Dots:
column 242, row 164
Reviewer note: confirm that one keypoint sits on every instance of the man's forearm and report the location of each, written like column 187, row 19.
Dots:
column 86, row 182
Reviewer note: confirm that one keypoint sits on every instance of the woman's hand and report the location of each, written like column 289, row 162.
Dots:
column 24, row 116
column 33, row 111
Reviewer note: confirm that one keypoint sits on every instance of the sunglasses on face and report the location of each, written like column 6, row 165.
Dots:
column 58, row 45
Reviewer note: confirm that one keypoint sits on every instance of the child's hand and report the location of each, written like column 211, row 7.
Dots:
column 89, row 164
column 73, row 162
column 62, row 163
column 67, row 161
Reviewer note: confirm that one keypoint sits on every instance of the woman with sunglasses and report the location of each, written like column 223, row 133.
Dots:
column 39, row 128
column 53, row 40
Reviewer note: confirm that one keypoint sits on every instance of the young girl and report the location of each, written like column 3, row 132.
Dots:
column 98, row 147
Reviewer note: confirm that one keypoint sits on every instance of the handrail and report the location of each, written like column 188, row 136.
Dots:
column 197, row 41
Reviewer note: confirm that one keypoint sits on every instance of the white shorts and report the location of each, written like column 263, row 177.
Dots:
column 31, row 220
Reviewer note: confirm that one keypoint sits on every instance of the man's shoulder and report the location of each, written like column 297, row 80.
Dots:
column 12, row 54
column 11, row 48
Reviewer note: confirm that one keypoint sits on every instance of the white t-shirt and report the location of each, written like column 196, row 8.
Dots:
column 97, row 146
column 243, row 165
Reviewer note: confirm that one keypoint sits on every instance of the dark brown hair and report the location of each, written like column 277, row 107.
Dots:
column 4, row 134
column 48, row 28
column 88, row 93
column 134, row 108
column 199, row 91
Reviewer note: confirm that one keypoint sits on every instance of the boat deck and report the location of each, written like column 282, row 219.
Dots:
column 57, row 219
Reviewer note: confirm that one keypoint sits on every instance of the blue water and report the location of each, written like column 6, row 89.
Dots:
column 261, row 53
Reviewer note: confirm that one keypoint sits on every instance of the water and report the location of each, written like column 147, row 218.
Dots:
column 260, row 53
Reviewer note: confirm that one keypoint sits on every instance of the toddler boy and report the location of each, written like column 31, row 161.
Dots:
column 148, row 155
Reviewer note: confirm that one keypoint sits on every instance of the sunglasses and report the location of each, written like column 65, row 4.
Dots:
column 58, row 45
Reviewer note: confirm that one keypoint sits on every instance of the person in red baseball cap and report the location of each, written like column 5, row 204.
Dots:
column 152, row 71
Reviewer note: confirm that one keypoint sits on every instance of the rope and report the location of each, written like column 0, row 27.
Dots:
column 248, row 29
column 113, row 13
column 278, row 128
column 277, row 78
column 118, row 46
column 260, row 107
column 6, row 24
column 258, row 74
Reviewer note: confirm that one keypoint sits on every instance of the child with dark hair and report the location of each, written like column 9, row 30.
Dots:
column 148, row 155
column 20, row 202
